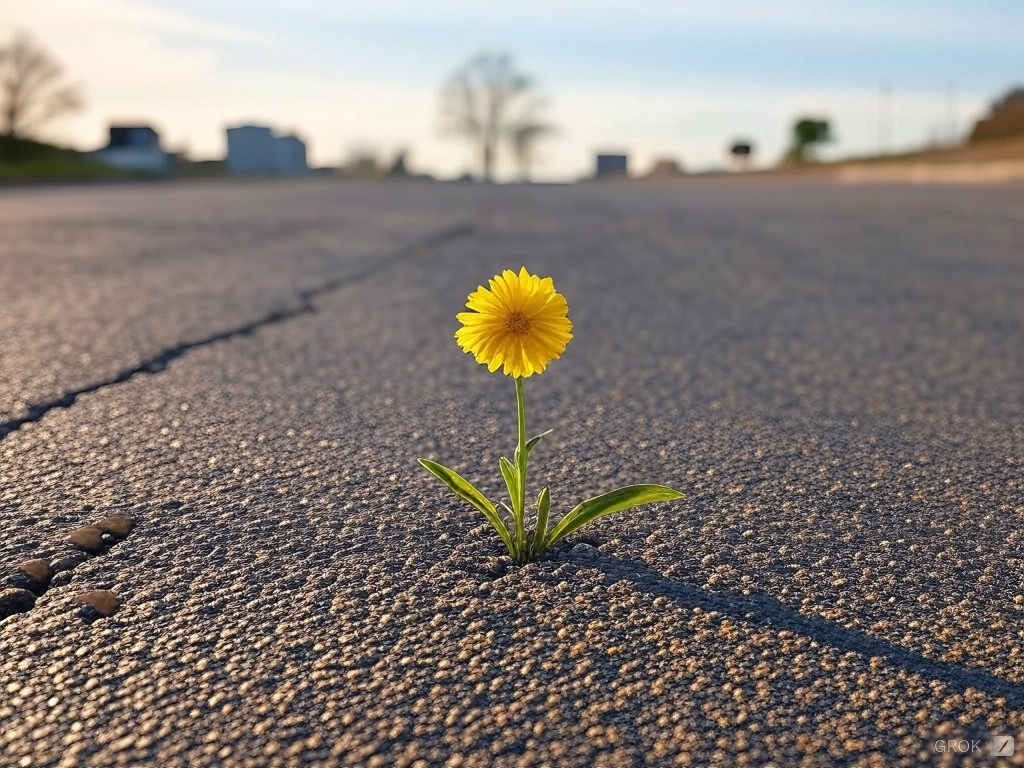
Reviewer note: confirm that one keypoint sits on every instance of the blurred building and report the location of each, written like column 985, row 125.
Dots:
column 611, row 165
column 290, row 152
column 1005, row 120
column 257, row 150
column 135, row 148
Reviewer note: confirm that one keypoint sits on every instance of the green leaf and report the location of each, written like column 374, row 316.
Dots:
column 532, row 443
column 511, row 475
column 609, row 503
column 541, row 531
column 466, row 491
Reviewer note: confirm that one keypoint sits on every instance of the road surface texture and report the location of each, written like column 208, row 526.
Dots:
column 834, row 376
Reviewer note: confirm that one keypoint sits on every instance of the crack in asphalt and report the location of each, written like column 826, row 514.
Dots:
column 305, row 305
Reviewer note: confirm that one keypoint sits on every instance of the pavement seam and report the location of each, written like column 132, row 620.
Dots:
column 305, row 305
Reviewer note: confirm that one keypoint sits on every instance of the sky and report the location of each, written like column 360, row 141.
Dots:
column 654, row 78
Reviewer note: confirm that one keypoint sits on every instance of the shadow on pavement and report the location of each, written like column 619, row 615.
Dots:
column 766, row 610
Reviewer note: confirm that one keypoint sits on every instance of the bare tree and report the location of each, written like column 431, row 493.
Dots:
column 485, row 100
column 32, row 90
column 524, row 136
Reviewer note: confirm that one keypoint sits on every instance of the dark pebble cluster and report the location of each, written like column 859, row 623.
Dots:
column 33, row 578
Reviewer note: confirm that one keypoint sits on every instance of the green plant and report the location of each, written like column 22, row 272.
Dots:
column 521, row 324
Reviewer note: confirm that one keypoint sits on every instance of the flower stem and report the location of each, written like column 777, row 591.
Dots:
column 520, row 505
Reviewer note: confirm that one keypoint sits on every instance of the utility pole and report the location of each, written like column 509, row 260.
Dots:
column 952, row 131
column 884, row 118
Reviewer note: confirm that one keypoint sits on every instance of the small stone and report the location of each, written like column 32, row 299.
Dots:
column 33, row 575
column 118, row 526
column 97, row 603
column 39, row 570
column 68, row 563
column 584, row 550
column 14, row 601
column 88, row 538
column 62, row 579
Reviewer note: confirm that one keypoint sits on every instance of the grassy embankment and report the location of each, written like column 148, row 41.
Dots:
column 26, row 160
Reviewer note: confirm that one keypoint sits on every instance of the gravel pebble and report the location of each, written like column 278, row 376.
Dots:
column 33, row 575
column 88, row 539
column 118, row 526
column 98, row 602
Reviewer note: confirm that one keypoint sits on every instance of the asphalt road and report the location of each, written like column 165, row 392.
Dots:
column 834, row 376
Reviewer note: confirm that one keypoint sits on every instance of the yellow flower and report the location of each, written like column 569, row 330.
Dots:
column 519, row 323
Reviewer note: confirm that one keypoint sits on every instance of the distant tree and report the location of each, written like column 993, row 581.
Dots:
column 1005, row 119
column 32, row 88
column 488, row 100
column 398, row 168
column 525, row 136
column 362, row 162
column 807, row 133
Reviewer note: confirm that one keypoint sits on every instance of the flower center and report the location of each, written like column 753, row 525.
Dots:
column 517, row 323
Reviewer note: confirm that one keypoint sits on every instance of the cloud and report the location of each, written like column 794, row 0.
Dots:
column 982, row 20
column 61, row 17
column 121, row 53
